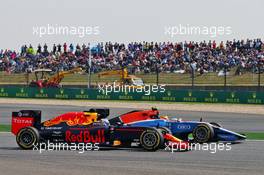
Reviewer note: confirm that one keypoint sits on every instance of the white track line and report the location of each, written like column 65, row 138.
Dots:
column 256, row 140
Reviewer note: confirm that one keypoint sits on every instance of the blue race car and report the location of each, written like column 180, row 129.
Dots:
column 201, row 132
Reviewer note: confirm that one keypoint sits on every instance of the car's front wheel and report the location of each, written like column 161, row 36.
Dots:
column 151, row 140
column 27, row 138
column 203, row 133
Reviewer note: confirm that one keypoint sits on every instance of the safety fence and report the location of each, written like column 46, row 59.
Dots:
column 223, row 96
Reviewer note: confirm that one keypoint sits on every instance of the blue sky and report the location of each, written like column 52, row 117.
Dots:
column 125, row 21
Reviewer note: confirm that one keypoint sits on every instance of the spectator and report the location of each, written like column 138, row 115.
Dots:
column 177, row 57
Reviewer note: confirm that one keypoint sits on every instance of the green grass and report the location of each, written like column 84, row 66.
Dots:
column 250, row 135
column 164, row 78
column 255, row 135
column 5, row 128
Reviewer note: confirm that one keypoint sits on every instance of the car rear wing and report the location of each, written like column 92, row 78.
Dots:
column 25, row 118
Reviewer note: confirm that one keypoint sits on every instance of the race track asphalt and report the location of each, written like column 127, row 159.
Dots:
column 243, row 159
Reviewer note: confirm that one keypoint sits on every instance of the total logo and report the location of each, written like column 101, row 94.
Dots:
column 23, row 121
column 184, row 127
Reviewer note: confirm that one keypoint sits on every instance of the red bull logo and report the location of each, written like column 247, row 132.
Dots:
column 73, row 118
column 85, row 137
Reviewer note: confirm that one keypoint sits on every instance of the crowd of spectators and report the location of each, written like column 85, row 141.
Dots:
column 146, row 57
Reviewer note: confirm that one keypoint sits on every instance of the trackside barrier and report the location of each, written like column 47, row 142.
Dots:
column 214, row 96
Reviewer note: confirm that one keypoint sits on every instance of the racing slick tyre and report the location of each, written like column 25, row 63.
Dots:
column 27, row 138
column 164, row 130
column 151, row 139
column 215, row 124
column 203, row 133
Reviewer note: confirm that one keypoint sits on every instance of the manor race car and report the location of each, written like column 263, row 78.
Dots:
column 86, row 127
column 201, row 132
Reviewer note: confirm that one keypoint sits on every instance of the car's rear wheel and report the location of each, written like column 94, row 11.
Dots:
column 203, row 133
column 151, row 140
column 27, row 138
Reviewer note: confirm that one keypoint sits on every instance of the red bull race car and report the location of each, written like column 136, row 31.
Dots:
column 87, row 127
